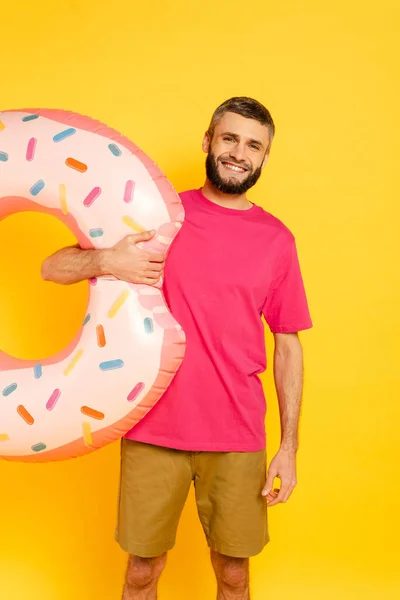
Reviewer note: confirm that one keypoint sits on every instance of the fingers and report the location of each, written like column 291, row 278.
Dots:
column 270, row 481
column 136, row 238
column 147, row 280
column 154, row 268
column 144, row 236
column 156, row 258
column 280, row 495
column 272, row 495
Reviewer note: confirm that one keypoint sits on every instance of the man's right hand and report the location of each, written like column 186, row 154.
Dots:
column 127, row 262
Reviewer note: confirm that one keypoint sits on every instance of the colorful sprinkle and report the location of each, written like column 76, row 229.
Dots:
column 91, row 412
column 129, row 189
column 37, row 371
column 2, row 126
column 91, row 197
column 52, row 401
column 114, row 149
column 101, row 338
column 87, row 319
column 76, row 164
column 87, row 434
column 30, row 151
column 109, row 365
column 9, row 389
column 30, row 118
column 27, row 417
column 64, row 134
column 93, row 281
column 118, row 303
column 38, row 447
column 132, row 224
column 4, row 437
column 148, row 325
column 37, row 187
column 63, row 198
column 73, row 362
column 95, row 233
column 3, row 157
column 135, row 392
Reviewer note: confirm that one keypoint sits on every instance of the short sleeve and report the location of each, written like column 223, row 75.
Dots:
column 285, row 308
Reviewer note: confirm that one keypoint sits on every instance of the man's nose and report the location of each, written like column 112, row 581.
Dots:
column 238, row 152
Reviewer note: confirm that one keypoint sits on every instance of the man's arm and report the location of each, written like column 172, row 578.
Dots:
column 288, row 374
column 124, row 261
column 71, row 265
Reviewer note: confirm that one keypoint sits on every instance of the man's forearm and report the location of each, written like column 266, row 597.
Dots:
column 71, row 265
column 288, row 373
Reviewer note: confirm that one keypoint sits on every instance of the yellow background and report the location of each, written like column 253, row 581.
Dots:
column 156, row 71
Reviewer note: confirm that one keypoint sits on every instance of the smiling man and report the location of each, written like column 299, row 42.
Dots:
column 231, row 264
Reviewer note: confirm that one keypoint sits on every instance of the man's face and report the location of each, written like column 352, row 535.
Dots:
column 236, row 153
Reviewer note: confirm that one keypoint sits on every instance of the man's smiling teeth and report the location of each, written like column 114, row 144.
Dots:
column 234, row 168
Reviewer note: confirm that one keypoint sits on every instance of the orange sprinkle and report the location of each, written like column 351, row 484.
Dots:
column 2, row 126
column 91, row 412
column 4, row 437
column 76, row 164
column 21, row 410
column 101, row 338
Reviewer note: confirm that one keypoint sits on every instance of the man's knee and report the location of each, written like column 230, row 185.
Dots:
column 144, row 572
column 231, row 572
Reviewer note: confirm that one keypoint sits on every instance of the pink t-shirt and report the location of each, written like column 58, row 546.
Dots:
column 225, row 269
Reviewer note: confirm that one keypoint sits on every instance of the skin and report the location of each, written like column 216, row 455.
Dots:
column 239, row 142
column 236, row 141
column 124, row 261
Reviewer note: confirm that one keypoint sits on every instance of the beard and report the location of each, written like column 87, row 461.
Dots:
column 229, row 185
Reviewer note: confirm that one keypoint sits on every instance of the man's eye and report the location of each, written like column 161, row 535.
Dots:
column 254, row 146
column 228, row 139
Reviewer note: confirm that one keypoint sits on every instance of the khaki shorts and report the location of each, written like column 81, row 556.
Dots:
column 154, row 486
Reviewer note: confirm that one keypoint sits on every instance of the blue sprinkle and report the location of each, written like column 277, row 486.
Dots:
column 111, row 364
column 37, row 371
column 114, row 149
column 30, row 118
column 38, row 447
column 37, row 187
column 9, row 389
column 87, row 319
column 148, row 325
column 64, row 134
column 94, row 233
column 3, row 157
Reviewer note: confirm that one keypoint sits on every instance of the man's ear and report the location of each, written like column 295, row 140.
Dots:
column 206, row 142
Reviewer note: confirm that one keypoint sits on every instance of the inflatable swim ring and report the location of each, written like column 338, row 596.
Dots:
column 129, row 348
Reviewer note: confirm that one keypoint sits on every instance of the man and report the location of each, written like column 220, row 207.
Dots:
column 231, row 263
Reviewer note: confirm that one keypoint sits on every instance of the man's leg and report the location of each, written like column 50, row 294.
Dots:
column 154, row 485
column 232, row 577
column 233, row 514
column 142, row 577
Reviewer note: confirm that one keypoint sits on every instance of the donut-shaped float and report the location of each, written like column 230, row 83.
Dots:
column 103, row 187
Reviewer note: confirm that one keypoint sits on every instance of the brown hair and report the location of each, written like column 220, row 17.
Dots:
column 246, row 107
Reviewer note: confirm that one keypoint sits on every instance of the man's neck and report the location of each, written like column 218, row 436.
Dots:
column 238, row 202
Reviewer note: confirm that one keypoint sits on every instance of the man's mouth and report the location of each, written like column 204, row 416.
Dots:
column 232, row 167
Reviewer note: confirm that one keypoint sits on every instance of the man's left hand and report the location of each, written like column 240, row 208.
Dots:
column 283, row 466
